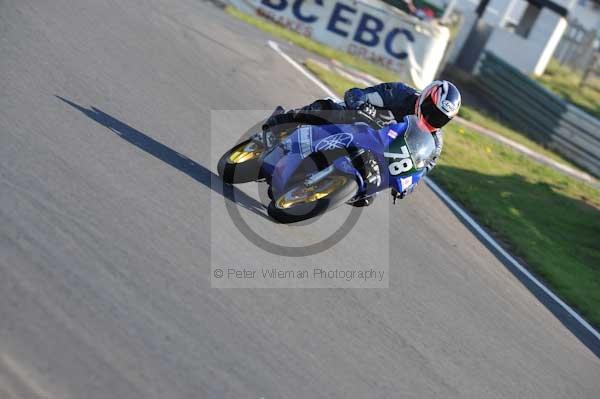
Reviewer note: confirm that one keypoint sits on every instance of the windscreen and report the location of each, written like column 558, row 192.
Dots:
column 420, row 144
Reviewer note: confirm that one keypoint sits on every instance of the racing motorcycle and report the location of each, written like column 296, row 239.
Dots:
column 316, row 168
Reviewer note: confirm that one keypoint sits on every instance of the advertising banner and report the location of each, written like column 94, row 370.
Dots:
column 368, row 29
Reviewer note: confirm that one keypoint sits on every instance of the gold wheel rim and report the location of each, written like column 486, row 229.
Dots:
column 245, row 152
column 301, row 194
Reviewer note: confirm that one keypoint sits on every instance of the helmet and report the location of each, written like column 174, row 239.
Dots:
column 437, row 104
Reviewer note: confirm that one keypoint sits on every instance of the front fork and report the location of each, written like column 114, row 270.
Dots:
column 341, row 164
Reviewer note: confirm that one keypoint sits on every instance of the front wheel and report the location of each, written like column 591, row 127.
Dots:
column 300, row 202
column 242, row 163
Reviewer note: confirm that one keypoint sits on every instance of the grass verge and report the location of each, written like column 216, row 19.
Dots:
column 565, row 82
column 542, row 216
column 482, row 118
column 311, row 45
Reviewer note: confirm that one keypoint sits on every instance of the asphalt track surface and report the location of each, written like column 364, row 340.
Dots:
column 109, row 227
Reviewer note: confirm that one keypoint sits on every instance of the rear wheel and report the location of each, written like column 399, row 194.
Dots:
column 300, row 202
column 242, row 163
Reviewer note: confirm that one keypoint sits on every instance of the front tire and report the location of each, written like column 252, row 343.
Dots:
column 299, row 203
column 242, row 163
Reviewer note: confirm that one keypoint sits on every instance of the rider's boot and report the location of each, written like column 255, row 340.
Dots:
column 317, row 113
column 362, row 202
column 367, row 166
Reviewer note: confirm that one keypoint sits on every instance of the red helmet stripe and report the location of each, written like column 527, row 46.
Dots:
column 435, row 95
column 427, row 125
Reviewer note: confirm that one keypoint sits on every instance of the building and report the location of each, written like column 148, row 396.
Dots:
column 524, row 33
column 584, row 12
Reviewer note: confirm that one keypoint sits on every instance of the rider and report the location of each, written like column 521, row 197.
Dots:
column 434, row 106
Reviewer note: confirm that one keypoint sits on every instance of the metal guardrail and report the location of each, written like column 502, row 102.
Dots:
column 539, row 113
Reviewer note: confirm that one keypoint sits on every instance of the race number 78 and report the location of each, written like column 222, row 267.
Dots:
column 403, row 163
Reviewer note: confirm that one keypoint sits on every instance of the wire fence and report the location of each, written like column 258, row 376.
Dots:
column 579, row 49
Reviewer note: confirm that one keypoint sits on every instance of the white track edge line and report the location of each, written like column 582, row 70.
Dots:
column 452, row 204
column 303, row 70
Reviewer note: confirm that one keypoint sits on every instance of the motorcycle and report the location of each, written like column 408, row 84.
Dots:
column 316, row 168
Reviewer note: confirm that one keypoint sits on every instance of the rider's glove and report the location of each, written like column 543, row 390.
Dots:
column 374, row 117
column 368, row 112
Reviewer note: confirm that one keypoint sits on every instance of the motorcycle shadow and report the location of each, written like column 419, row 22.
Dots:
column 172, row 158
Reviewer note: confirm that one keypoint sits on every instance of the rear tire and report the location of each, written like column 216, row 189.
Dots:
column 307, row 210
column 232, row 167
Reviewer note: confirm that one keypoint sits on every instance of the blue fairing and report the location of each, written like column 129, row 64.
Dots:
column 284, row 161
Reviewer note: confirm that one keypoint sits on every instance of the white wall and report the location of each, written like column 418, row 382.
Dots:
column 532, row 54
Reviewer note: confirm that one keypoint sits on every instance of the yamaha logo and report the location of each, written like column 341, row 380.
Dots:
column 336, row 141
